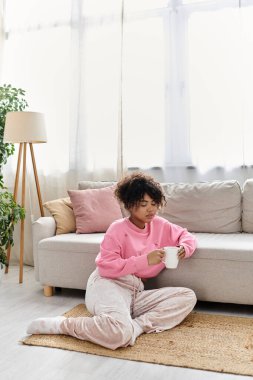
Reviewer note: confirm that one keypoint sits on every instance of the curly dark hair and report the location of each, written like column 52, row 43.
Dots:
column 131, row 189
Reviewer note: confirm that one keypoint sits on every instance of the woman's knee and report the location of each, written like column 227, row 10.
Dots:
column 191, row 297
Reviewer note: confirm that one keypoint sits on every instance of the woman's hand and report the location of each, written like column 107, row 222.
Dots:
column 181, row 252
column 155, row 257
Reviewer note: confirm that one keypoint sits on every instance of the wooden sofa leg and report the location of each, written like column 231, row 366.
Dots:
column 48, row 291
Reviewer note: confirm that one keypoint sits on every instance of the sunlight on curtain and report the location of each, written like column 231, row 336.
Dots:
column 247, row 75
column 1, row 35
column 101, row 85
column 144, row 92
column 143, row 5
column 215, row 63
column 220, row 86
column 37, row 59
column 95, row 95
column 186, row 81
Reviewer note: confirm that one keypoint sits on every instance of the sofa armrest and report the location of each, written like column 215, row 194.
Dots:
column 42, row 228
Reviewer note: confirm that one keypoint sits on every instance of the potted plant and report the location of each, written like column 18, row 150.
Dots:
column 11, row 99
column 10, row 214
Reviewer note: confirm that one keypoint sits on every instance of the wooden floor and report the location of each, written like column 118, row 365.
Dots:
column 20, row 303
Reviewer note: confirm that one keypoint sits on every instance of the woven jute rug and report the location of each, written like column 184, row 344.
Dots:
column 202, row 341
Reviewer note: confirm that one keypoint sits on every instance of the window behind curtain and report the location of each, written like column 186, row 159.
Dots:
column 187, row 77
column 37, row 59
column 188, row 84
column 215, row 87
column 144, row 92
column 219, row 68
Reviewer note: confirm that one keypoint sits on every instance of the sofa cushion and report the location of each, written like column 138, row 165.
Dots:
column 94, row 209
column 68, row 260
column 219, row 271
column 247, row 206
column 204, row 207
column 72, row 243
column 232, row 247
column 62, row 211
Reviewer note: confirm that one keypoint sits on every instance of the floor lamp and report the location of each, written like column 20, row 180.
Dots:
column 24, row 128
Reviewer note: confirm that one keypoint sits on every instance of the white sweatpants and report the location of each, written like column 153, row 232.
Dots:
column 122, row 310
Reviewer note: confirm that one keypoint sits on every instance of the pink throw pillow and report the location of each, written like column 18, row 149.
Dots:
column 94, row 209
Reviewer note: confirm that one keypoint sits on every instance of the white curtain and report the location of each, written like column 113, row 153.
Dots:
column 66, row 55
column 95, row 89
column 219, row 124
column 164, row 86
column 1, row 34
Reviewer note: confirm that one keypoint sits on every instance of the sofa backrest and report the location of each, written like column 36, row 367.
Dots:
column 199, row 207
column 204, row 206
column 247, row 206
column 84, row 185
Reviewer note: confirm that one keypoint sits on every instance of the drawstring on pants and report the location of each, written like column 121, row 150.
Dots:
column 135, row 288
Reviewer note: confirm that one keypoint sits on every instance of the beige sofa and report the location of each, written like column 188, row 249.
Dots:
column 219, row 214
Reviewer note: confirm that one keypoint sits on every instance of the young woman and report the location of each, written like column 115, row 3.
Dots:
column 132, row 251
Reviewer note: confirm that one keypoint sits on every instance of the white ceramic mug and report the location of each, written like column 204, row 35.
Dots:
column 171, row 258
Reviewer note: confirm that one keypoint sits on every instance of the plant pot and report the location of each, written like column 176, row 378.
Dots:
column 2, row 269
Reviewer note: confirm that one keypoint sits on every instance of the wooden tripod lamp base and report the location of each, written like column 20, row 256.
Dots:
column 24, row 128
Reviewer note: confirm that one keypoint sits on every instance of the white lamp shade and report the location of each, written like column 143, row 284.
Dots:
column 25, row 127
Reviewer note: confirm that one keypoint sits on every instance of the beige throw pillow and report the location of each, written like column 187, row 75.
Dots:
column 62, row 211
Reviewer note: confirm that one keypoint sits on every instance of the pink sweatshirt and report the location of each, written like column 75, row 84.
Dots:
column 125, row 247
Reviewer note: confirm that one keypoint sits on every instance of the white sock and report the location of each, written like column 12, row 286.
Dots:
column 46, row 325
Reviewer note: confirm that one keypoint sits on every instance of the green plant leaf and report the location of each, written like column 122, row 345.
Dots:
column 11, row 99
